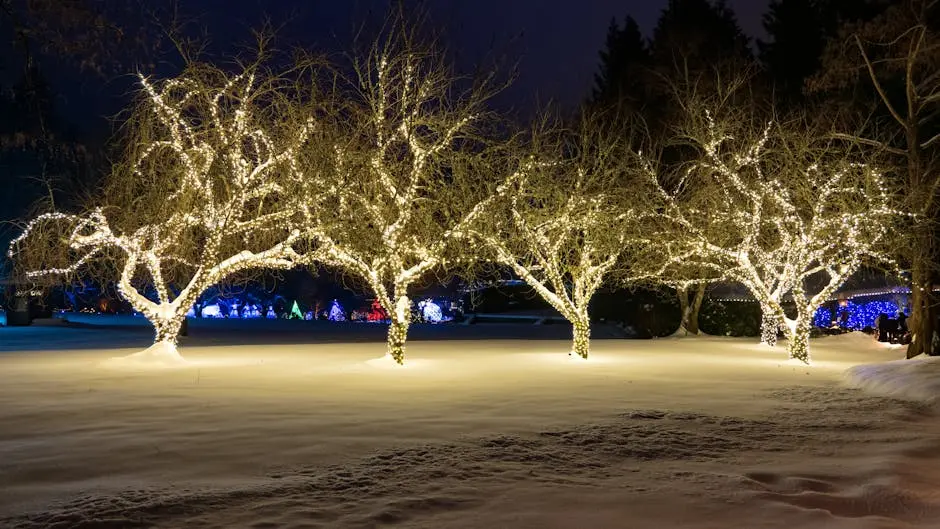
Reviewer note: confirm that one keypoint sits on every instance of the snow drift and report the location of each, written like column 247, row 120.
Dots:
column 917, row 380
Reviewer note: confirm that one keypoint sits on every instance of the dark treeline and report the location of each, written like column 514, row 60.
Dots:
column 866, row 70
column 51, row 154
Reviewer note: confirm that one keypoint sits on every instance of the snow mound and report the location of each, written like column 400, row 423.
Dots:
column 849, row 501
column 859, row 340
column 387, row 362
column 577, row 359
column 158, row 355
column 916, row 380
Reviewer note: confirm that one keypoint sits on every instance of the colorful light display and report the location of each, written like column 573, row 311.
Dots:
column 430, row 311
column 336, row 312
column 822, row 318
column 856, row 316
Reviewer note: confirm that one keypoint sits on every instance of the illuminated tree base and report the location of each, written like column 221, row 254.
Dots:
column 160, row 354
column 385, row 362
column 397, row 334
column 581, row 342
column 799, row 352
column 798, row 340
column 768, row 328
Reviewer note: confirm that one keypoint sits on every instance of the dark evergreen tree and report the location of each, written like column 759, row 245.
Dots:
column 697, row 48
column 797, row 35
column 623, row 66
column 42, row 157
column 693, row 36
column 698, row 52
column 798, row 31
column 42, row 162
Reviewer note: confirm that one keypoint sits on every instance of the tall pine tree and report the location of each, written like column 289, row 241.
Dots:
column 798, row 31
column 697, row 48
column 694, row 36
column 698, row 51
column 624, row 62
column 697, row 45
column 797, row 36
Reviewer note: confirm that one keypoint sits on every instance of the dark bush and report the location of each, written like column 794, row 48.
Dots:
column 643, row 313
column 730, row 318
column 505, row 298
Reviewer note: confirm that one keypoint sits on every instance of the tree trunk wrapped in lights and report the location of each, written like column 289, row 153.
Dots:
column 403, row 185
column 781, row 215
column 398, row 329
column 769, row 327
column 581, row 336
column 561, row 225
column 770, row 322
column 206, row 191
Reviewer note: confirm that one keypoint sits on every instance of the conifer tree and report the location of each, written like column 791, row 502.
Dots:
column 624, row 62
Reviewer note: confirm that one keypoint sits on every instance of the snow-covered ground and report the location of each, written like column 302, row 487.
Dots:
column 289, row 424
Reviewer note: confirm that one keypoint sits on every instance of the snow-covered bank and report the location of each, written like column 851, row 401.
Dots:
column 917, row 379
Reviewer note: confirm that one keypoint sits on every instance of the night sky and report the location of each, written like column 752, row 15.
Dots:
column 556, row 42
column 561, row 39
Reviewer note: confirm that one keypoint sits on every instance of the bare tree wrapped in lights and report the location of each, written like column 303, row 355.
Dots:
column 895, row 56
column 561, row 224
column 407, row 135
column 786, row 218
column 206, row 190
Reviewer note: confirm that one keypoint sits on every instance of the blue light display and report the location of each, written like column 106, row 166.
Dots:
column 431, row 311
column 336, row 312
column 822, row 318
column 212, row 311
column 855, row 316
